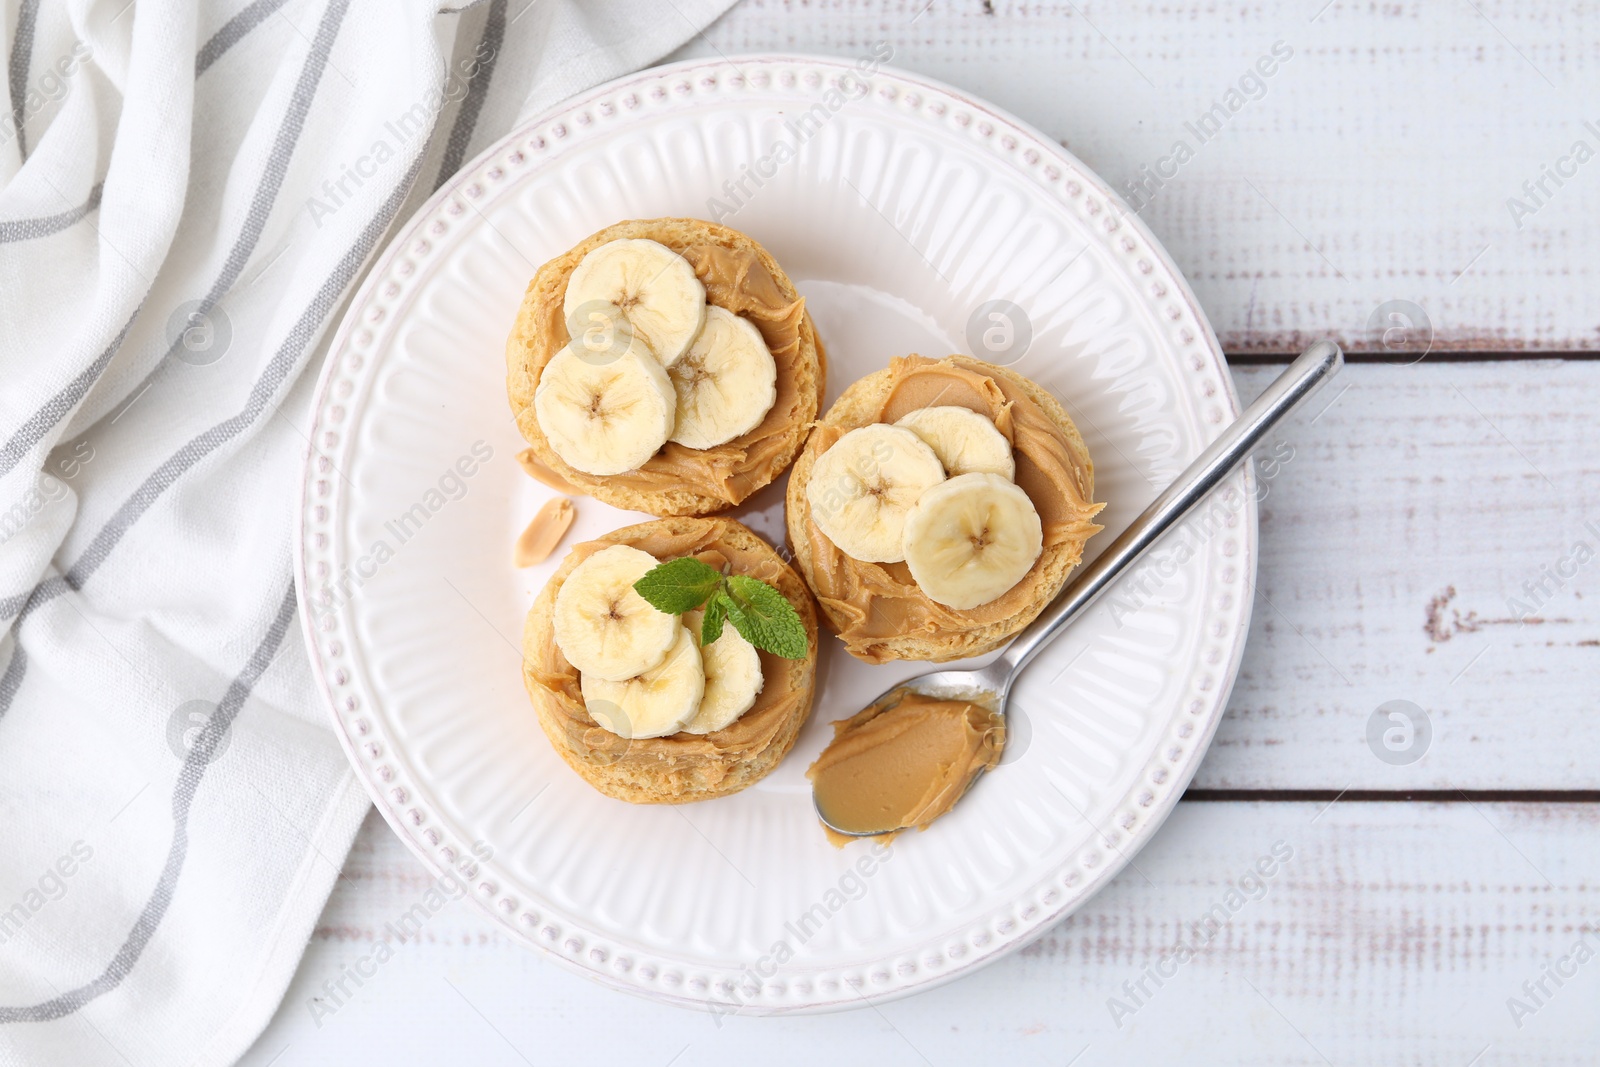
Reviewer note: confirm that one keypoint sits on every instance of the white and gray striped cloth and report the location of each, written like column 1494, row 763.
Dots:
column 187, row 198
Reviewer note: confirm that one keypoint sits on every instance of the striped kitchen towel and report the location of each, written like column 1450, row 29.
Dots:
column 188, row 194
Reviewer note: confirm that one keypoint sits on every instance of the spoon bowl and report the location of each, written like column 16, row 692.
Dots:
column 985, row 686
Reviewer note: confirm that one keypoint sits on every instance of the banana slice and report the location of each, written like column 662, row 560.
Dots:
column 733, row 677
column 970, row 539
column 655, row 703
column 604, row 403
column 862, row 488
column 605, row 628
column 964, row 441
column 655, row 288
column 726, row 382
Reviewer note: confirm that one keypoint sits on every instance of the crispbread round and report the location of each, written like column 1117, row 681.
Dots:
column 540, row 316
column 674, row 769
column 858, row 406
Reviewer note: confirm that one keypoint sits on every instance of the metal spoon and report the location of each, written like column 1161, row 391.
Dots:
column 991, row 685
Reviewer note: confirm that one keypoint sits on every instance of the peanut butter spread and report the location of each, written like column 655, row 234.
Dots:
column 737, row 281
column 878, row 600
column 903, row 762
column 748, row 734
column 534, row 468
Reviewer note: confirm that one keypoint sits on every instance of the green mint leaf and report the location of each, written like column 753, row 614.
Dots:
column 765, row 617
column 678, row 585
column 716, row 613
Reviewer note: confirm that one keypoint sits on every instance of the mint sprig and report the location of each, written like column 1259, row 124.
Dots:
column 758, row 611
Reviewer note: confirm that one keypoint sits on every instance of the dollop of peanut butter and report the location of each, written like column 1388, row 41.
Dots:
column 738, row 281
column 878, row 600
column 903, row 762
column 537, row 470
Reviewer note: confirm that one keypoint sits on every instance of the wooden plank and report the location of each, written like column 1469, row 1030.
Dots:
column 1420, row 516
column 1386, row 933
column 1376, row 163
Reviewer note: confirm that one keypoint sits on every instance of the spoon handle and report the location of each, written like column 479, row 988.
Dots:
column 1315, row 366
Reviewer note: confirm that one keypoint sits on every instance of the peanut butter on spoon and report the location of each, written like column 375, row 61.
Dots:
column 902, row 762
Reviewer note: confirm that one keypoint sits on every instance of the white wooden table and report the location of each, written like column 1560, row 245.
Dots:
column 1438, row 911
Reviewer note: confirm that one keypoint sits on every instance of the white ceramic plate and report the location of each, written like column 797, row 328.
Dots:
column 908, row 207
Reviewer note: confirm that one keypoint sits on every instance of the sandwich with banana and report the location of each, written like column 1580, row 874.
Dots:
column 673, row 660
column 663, row 365
column 938, row 507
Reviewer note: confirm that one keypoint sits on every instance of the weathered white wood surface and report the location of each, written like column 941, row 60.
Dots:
column 1374, row 164
column 1393, row 543
column 1394, row 934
